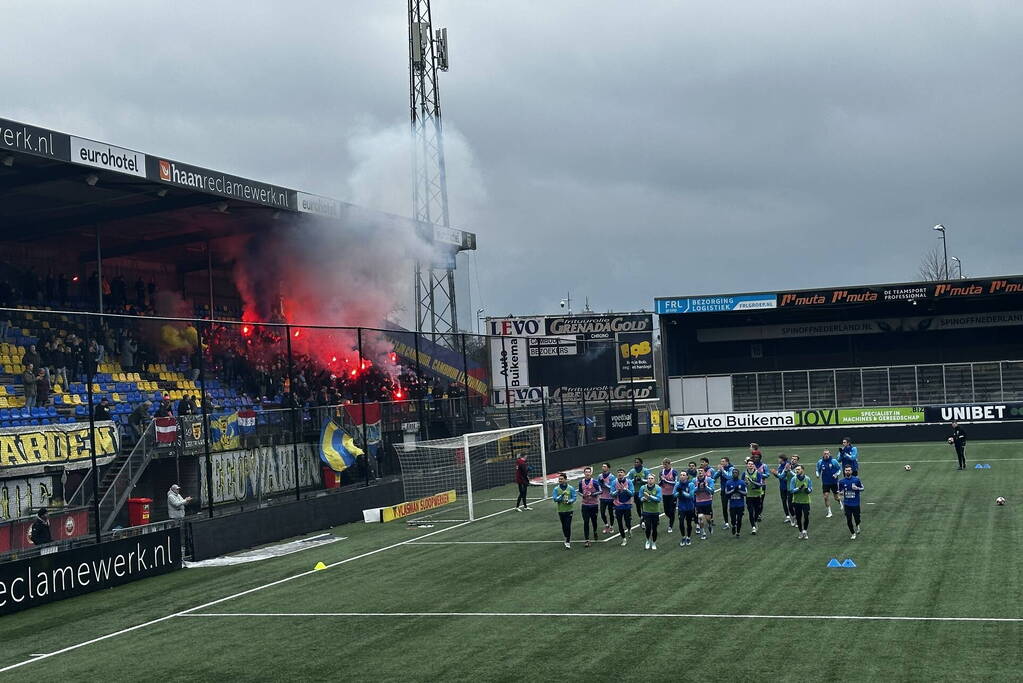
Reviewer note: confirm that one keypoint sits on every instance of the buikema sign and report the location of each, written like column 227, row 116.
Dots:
column 733, row 421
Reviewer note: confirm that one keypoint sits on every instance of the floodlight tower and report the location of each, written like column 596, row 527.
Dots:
column 436, row 310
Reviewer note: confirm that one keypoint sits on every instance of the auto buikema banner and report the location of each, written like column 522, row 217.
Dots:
column 55, row 576
column 726, row 421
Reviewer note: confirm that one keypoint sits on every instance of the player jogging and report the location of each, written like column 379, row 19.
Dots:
column 784, row 474
column 721, row 476
column 703, row 498
column 589, row 491
column 755, row 486
column 848, row 455
column 638, row 475
column 564, row 497
column 667, row 481
column 735, row 494
column 650, row 495
column 522, row 469
column 622, row 492
column 849, row 488
column 801, row 487
column 958, row 441
column 607, row 508
column 685, row 492
column 828, row 470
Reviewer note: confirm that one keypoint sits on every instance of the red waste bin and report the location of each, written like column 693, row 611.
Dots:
column 138, row 511
column 331, row 479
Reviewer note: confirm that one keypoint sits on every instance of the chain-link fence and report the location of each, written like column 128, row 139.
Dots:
column 242, row 413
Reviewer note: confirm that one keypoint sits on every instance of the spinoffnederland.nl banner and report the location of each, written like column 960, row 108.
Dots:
column 56, row 576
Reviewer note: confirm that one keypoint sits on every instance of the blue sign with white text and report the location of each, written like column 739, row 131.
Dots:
column 712, row 304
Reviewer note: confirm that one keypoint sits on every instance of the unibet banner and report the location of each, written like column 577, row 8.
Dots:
column 30, row 449
column 859, row 416
column 413, row 507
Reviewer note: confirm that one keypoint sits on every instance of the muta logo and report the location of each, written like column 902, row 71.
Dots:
column 165, row 170
column 69, row 526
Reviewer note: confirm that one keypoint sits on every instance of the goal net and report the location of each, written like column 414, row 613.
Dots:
column 479, row 467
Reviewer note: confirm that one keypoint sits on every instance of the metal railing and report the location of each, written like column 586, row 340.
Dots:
column 912, row 385
column 86, row 540
column 120, row 487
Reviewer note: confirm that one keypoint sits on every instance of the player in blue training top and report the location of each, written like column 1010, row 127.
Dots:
column 589, row 491
column 685, row 501
column 703, row 496
column 650, row 495
column 784, row 474
column 564, row 497
column 849, row 488
column 721, row 476
column 735, row 493
column 848, row 455
column 828, row 470
column 622, row 493
column 638, row 475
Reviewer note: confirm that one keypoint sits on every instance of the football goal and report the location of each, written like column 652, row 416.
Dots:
column 479, row 467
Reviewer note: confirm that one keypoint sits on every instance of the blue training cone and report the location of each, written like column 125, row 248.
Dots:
column 849, row 564
column 978, row 466
column 987, row 466
column 834, row 563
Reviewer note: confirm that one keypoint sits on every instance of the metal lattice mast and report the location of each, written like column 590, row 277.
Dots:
column 436, row 310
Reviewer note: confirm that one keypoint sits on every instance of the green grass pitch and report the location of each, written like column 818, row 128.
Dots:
column 466, row 603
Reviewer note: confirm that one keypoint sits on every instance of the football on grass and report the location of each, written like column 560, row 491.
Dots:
column 908, row 468
column 951, row 440
column 999, row 501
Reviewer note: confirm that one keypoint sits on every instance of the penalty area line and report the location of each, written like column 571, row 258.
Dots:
column 588, row 615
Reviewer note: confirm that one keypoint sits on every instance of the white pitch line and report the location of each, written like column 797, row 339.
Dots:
column 189, row 611
column 589, row 615
column 476, row 542
column 948, row 460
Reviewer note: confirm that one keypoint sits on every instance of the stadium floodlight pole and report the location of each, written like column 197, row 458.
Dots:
column 294, row 406
column 959, row 266
column 944, row 245
column 468, row 475
column 479, row 319
column 92, row 434
column 362, row 404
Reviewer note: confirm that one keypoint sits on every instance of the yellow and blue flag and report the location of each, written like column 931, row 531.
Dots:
column 337, row 449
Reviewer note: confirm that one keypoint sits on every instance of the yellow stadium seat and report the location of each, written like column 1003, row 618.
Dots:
column 116, row 397
column 3, row 390
column 57, row 389
column 76, row 399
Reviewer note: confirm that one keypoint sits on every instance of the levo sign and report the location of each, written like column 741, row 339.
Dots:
column 516, row 327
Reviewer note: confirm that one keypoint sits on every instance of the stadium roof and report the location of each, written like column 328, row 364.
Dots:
column 841, row 296
column 55, row 186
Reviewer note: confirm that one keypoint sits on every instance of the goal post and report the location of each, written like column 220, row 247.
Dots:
column 478, row 466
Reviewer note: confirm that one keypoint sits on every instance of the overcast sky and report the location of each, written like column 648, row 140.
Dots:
column 617, row 150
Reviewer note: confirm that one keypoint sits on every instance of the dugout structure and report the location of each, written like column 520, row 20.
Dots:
column 866, row 355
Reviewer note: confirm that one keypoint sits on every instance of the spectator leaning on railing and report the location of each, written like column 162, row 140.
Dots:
column 139, row 418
